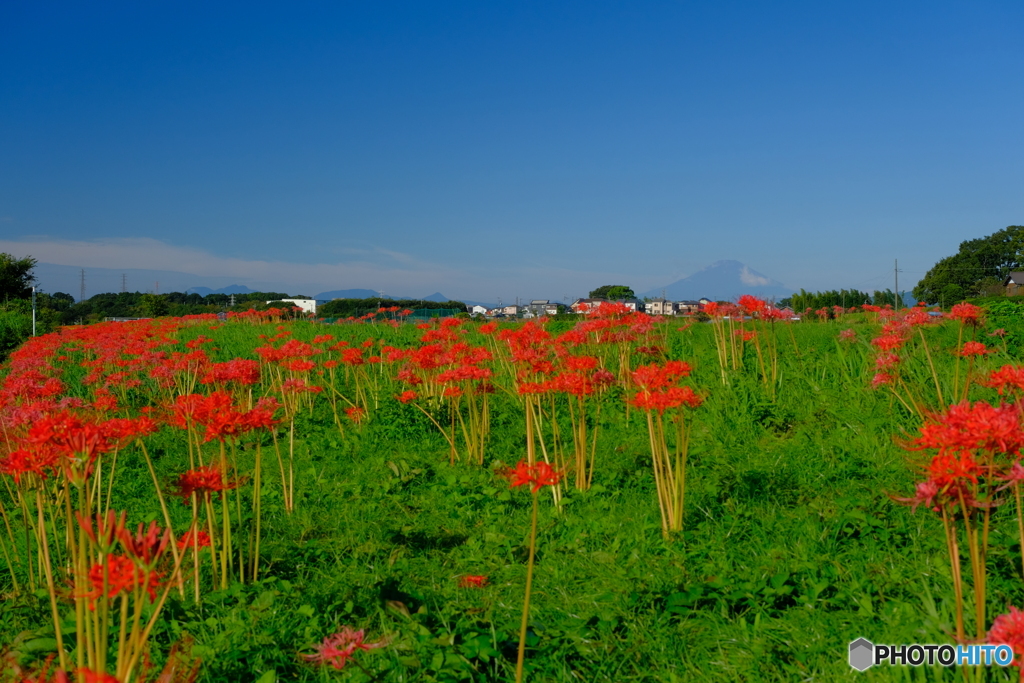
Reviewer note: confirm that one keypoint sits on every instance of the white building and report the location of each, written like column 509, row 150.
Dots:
column 307, row 305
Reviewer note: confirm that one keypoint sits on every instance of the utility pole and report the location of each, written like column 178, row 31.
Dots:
column 896, row 274
column 81, row 296
column 33, row 311
column 157, row 287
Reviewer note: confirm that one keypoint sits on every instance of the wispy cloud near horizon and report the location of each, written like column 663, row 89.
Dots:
column 373, row 268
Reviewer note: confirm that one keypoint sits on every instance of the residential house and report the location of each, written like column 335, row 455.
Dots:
column 660, row 306
column 633, row 305
column 539, row 307
column 586, row 305
column 1014, row 283
column 689, row 306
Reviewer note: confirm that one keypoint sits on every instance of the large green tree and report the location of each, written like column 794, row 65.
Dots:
column 613, row 292
column 16, row 276
column 977, row 264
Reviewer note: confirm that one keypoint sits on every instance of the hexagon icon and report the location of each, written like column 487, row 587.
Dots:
column 862, row 654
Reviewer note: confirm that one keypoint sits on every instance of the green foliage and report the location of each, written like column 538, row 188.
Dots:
column 846, row 298
column 612, row 292
column 153, row 305
column 15, row 328
column 16, row 276
column 974, row 269
column 344, row 308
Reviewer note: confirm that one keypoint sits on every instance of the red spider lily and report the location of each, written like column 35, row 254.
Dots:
column 105, row 531
column 966, row 313
column 337, row 649
column 887, row 361
column 238, row 371
column 103, row 400
column 472, row 581
column 751, row 305
column 194, row 538
column 1008, row 629
column 37, row 460
column 1011, row 376
column 119, row 574
column 889, row 342
column 848, row 335
column 997, row 333
column 925, row 493
column 300, row 386
column 198, row 341
column 665, row 399
column 202, row 480
column 298, row 365
column 537, row 475
column 356, row 414
column 772, row 314
column 262, row 414
column 973, row 348
column 407, row 396
column 147, row 545
column 185, row 409
column 981, row 426
column 882, row 379
column 90, row 676
column 575, row 383
column 954, row 469
column 655, row 376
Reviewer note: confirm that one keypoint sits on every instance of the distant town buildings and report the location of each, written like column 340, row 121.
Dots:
column 544, row 307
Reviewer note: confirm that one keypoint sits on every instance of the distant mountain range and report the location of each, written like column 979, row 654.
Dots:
column 723, row 281
column 230, row 289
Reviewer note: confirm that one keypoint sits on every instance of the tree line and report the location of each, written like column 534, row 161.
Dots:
column 978, row 268
column 846, row 298
column 345, row 308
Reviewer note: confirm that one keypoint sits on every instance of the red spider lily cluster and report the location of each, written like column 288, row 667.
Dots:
column 242, row 421
column 537, row 476
column 337, row 649
column 472, row 581
column 1008, row 629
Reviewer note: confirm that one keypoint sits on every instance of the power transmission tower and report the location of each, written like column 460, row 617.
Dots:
column 157, row 287
column 232, row 301
column 124, row 283
column 81, row 295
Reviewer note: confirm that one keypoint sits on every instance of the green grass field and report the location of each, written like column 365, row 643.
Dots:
column 792, row 546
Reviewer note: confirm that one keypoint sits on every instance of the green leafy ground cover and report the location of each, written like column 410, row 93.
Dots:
column 792, row 545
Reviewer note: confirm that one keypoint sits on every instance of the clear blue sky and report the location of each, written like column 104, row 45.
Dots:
column 509, row 149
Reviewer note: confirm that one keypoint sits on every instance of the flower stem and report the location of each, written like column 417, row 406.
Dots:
column 529, row 587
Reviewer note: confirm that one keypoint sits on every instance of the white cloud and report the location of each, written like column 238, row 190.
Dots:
column 396, row 273
column 751, row 279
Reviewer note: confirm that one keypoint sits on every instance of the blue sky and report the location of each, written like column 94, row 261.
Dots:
column 519, row 149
